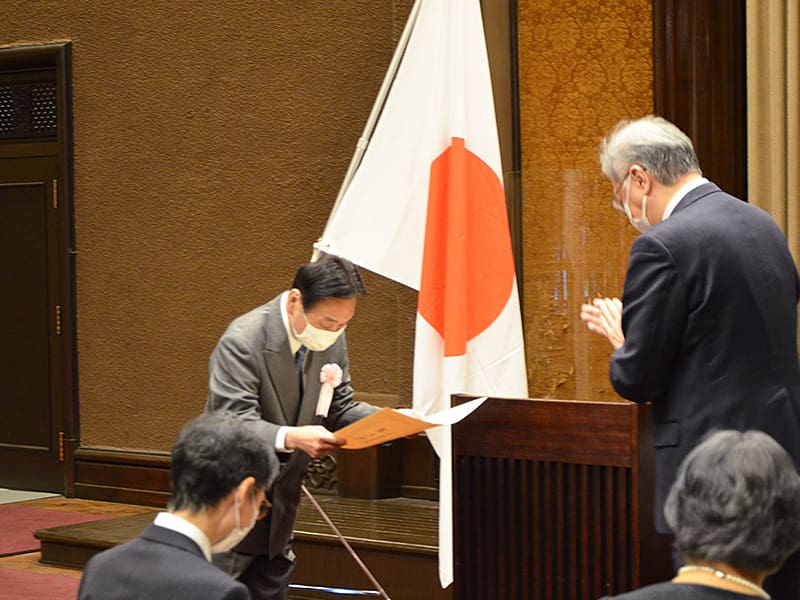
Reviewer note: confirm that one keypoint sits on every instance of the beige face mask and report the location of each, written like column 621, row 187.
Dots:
column 316, row 339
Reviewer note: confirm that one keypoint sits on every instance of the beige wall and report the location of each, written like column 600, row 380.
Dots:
column 583, row 66
column 210, row 140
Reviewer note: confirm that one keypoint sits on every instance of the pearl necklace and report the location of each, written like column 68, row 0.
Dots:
column 723, row 575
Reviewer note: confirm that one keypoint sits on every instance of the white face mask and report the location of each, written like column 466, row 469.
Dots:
column 642, row 224
column 316, row 339
column 238, row 533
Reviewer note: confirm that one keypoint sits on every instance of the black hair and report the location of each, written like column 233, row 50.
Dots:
column 212, row 454
column 329, row 277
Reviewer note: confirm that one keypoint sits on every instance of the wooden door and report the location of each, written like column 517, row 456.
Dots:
column 38, row 403
column 30, row 412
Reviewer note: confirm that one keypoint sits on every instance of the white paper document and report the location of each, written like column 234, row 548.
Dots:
column 388, row 424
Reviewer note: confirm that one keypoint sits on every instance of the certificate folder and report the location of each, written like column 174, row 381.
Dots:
column 389, row 424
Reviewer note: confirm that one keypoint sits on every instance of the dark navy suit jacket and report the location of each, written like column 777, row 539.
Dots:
column 710, row 322
column 161, row 564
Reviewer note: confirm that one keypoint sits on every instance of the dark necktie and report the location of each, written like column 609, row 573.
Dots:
column 298, row 365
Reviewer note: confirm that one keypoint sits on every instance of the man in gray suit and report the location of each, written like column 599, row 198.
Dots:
column 220, row 472
column 266, row 369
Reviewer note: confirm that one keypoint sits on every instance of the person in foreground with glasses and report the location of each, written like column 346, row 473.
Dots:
column 706, row 329
column 735, row 510
column 221, row 472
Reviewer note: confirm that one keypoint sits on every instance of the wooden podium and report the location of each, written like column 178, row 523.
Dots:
column 552, row 499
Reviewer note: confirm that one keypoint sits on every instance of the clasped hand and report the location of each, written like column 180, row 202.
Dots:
column 604, row 317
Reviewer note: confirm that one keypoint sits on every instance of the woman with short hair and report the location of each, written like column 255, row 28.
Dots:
column 735, row 511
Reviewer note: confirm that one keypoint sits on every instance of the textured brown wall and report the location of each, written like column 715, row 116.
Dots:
column 583, row 66
column 210, row 140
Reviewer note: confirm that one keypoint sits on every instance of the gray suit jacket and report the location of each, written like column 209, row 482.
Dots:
column 252, row 374
column 160, row 564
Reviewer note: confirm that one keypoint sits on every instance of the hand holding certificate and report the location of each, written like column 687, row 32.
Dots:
column 388, row 424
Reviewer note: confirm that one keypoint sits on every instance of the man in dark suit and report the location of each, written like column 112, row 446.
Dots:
column 266, row 369
column 220, row 472
column 707, row 326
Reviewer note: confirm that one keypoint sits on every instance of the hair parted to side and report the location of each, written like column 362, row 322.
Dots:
column 329, row 277
column 213, row 454
column 659, row 146
column 736, row 500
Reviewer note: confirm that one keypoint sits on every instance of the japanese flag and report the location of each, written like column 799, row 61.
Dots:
column 426, row 208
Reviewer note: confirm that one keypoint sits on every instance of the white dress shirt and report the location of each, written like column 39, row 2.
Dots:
column 180, row 525
column 681, row 193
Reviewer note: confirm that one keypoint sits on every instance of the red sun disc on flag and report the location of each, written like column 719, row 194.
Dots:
column 467, row 265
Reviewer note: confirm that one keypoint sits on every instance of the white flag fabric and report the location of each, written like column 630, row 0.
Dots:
column 426, row 208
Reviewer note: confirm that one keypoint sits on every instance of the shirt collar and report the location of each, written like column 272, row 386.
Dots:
column 180, row 525
column 294, row 344
column 681, row 194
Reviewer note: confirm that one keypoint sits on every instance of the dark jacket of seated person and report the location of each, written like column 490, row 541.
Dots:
column 735, row 511
column 220, row 473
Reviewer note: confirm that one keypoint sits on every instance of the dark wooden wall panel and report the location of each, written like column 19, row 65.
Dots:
column 120, row 476
column 553, row 500
column 699, row 82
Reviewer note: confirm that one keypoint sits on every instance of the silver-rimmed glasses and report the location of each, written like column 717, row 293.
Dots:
column 615, row 203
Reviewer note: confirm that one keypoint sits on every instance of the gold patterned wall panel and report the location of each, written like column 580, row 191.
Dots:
column 583, row 65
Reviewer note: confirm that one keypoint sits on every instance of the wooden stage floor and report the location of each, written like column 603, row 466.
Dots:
column 393, row 537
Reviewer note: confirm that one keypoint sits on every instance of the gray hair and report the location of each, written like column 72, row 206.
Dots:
column 212, row 455
column 652, row 142
column 736, row 500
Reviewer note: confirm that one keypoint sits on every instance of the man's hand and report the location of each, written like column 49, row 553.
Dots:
column 314, row 440
column 604, row 317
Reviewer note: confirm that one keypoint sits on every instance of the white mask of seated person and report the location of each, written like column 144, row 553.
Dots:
column 238, row 533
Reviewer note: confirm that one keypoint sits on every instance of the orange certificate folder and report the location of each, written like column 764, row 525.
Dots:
column 388, row 424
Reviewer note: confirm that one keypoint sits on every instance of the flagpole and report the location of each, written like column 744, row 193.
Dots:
column 345, row 543
column 383, row 92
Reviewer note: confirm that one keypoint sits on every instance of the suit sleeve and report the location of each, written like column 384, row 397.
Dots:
column 234, row 384
column 238, row 592
column 654, row 316
column 85, row 587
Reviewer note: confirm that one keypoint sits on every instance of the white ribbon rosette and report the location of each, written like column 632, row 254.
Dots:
column 330, row 376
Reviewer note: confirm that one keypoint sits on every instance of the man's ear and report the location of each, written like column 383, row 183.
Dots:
column 641, row 178
column 245, row 489
column 294, row 296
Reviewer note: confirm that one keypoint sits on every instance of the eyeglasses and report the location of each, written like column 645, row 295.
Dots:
column 615, row 203
column 263, row 509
